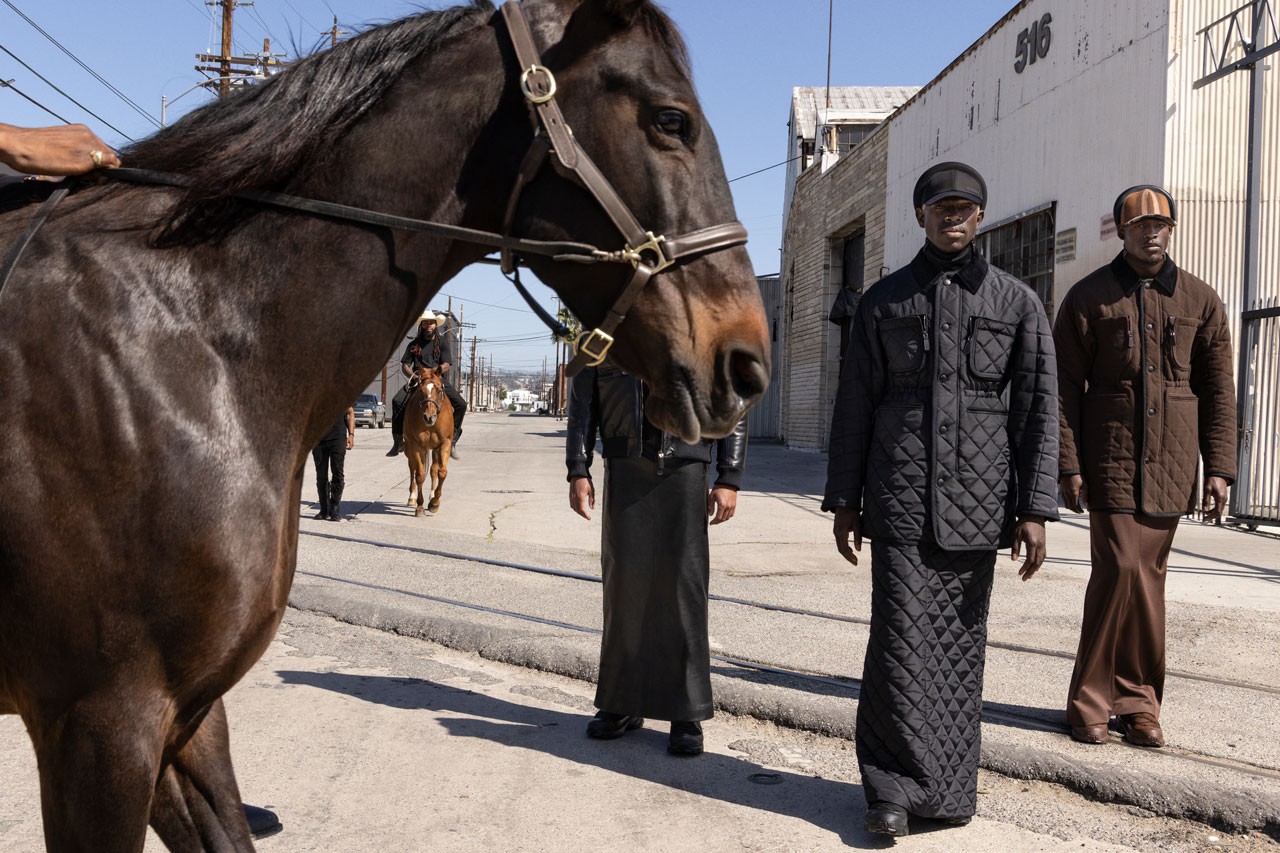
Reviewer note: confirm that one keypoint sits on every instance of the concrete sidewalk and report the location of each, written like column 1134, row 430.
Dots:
column 506, row 501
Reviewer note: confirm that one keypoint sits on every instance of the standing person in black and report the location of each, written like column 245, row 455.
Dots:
column 331, row 455
column 431, row 348
column 655, row 658
column 944, row 449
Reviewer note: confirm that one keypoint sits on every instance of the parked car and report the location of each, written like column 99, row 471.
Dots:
column 370, row 412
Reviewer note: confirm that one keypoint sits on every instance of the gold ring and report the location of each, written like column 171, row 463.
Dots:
column 97, row 157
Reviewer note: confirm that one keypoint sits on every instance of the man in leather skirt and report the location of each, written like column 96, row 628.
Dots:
column 655, row 659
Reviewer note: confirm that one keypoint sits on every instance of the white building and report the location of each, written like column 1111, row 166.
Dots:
column 1061, row 106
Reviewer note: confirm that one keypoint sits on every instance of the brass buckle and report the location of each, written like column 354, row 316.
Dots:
column 528, row 91
column 584, row 342
column 653, row 244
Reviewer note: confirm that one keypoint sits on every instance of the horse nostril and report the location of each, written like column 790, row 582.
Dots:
column 746, row 374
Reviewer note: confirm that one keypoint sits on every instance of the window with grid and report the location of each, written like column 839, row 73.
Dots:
column 1024, row 248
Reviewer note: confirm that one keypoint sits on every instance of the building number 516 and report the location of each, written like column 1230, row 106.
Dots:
column 1033, row 43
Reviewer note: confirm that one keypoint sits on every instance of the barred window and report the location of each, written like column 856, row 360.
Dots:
column 1024, row 248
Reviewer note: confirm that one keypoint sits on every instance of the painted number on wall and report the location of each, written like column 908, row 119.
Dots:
column 1033, row 43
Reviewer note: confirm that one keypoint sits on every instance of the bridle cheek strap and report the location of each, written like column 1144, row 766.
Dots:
column 647, row 252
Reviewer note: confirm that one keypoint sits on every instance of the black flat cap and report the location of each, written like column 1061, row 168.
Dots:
column 950, row 180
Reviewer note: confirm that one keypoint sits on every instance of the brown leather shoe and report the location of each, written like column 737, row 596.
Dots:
column 1089, row 734
column 1141, row 729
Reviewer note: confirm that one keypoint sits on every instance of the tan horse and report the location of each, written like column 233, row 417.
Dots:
column 428, row 436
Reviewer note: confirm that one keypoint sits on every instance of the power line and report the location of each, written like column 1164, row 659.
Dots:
column 303, row 17
column 77, row 60
column 756, row 172
column 65, row 95
column 8, row 84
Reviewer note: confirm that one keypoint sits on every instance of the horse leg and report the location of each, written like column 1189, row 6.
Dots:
column 439, row 470
column 419, row 477
column 409, row 457
column 98, row 763
column 197, row 802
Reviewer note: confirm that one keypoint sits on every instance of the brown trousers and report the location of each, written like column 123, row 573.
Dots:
column 1120, row 662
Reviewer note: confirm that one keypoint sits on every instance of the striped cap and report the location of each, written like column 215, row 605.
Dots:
column 1144, row 202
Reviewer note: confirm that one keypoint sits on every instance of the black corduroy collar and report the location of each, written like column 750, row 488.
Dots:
column 970, row 275
column 1166, row 280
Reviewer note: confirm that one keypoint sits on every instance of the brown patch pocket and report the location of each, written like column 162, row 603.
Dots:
column 1179, row 341
column 1117, row 350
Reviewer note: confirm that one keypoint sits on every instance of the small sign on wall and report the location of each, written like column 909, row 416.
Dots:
column 1108, row 227
column 1064, row 246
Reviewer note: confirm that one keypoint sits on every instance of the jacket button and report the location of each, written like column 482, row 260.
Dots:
column 1151, row 411
column 944, row 376
column 946, row 326
column 1151, row 325
column 942, row 480
column 942, row 428
column 1151, row 368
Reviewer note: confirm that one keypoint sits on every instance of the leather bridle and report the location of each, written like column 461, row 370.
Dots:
column 647, row 253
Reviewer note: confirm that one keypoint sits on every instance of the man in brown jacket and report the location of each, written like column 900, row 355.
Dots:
column 1146, row 391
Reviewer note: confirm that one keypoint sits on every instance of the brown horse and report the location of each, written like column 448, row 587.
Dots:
column 178, row 329
column 428, row 436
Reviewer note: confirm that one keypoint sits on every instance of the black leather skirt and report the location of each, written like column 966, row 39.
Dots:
column 654, row 657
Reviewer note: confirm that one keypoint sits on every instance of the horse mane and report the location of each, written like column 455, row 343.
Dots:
column 263, row 134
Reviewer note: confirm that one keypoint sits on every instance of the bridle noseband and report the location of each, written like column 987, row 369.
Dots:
column 646, row 252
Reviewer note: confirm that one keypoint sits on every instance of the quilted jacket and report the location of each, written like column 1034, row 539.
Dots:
column 608, row 401
column 1146, row 388
column 946, row 419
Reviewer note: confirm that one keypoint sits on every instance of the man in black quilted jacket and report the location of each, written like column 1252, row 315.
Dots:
column 944, row 448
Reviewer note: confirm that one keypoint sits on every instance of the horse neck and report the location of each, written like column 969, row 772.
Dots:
column 351, row 289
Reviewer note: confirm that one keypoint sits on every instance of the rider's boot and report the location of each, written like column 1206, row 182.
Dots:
column 453, row 448
column 397, row 444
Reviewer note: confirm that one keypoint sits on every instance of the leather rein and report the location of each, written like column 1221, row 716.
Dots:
column 647, row 253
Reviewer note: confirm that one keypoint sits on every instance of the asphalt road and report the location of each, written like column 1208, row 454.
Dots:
column 367, row 737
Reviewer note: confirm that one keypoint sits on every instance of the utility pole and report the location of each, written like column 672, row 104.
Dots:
column 471, row 376
column 227, row 67
column 335, row 32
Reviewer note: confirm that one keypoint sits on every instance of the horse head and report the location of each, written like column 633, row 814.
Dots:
column 697, row 332
column 430, row 398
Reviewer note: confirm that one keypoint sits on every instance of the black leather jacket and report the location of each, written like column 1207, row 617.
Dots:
column 607, row 401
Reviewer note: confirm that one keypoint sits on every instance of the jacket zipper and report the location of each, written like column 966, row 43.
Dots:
column 1128, row 330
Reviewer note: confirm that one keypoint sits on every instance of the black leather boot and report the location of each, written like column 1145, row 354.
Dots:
column 262, row 823
column 335, row 504
column 887, row 819
column 323, row 504
column 453, row 448
column 397, row 444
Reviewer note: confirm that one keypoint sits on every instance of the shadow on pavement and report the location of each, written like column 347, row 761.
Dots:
column 828, row 804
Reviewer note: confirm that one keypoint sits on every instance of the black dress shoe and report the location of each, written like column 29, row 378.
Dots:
column 262, row 823
column 606, row 725
column 958, row 821
column 334, row 517
column 685, row 739
column 887, row 819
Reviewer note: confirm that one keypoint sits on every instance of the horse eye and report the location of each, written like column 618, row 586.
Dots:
column 671, row 122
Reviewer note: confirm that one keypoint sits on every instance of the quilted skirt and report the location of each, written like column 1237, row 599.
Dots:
column 920, row 707
column 654, row 656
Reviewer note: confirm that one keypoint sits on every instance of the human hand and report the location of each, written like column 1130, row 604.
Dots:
column 1215, row 498
column 722, row 503
column 351, row 440
column 70, row 149
column 1074, row 492
column 848, row 521
column 1029, row 531
column 582, row 496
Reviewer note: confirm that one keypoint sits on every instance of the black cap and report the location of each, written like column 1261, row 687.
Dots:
column 950, row 180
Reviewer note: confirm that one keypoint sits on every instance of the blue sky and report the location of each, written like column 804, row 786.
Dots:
column 747, row 56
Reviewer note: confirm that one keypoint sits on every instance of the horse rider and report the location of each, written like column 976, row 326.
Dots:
column 431, row 348
column 71, row 149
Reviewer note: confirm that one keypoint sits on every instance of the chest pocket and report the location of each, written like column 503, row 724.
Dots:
column 1117, row 352
column 905, row 341
column 1179, row 340
column 988, row 347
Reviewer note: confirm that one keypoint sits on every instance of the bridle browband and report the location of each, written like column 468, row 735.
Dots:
column 646, row 252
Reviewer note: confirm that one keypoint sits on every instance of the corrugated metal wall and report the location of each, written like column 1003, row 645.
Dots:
column 1207, row 147
column 764, row 421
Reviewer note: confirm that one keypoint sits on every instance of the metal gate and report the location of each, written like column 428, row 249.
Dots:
column 1256, row 494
